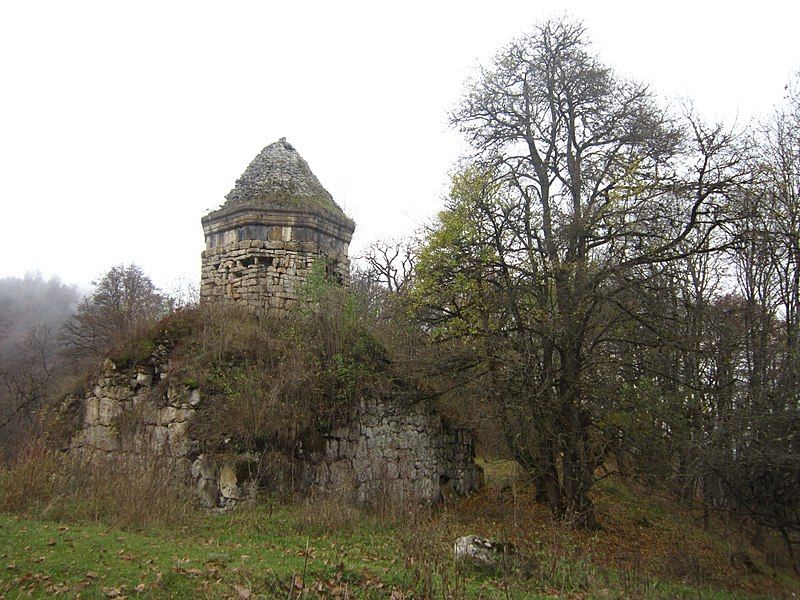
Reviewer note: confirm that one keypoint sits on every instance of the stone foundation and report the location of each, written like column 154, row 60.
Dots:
column 386, row 450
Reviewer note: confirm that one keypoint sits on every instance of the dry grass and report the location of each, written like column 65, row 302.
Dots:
column 131, row 492
column 644, row 535
column 321, row 516
column 29, row 480
column 338, row 514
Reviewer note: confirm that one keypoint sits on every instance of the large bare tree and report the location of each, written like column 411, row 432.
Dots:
column 579, row 187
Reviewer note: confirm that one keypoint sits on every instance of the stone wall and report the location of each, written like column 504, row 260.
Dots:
column 260, row 258
column 258, row 275
column 396, row 451
column 135, row 413
column 128, row 413
column 387, row 449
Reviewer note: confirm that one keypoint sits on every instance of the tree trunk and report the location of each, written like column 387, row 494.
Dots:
column 577, row 466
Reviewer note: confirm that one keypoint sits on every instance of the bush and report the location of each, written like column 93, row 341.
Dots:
column 276, row 384
column 131, row 492
column 30, row 479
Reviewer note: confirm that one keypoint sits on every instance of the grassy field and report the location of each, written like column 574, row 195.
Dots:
column 647, row 549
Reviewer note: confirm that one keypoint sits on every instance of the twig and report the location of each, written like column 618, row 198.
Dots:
column 305, row 564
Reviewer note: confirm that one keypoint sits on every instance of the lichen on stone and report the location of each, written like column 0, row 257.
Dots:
column 279, row 175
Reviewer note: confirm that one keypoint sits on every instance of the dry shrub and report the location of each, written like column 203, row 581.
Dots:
column 427, row 546
column 132, row 492
column 682, row 563
column 275, row 471
column 332, row 513
column 276, row 384
column 388, row 501
column 30, row 478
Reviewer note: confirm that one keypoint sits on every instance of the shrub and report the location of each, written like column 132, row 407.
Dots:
column 275, row 384
column 29, row 480
column 132, row 492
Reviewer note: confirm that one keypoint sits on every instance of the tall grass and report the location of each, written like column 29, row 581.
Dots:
column 130, row 492
column 29, row 480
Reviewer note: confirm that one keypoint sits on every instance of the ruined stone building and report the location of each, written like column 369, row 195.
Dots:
column 276, row 226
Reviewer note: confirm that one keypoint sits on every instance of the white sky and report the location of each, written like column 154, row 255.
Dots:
column 122, row 123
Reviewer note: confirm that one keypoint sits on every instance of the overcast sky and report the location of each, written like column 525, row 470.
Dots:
column 122, row 123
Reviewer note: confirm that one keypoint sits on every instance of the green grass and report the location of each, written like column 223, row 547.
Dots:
column 257, row 551
column 208, row 560
column 251, row 550
column 73, row 545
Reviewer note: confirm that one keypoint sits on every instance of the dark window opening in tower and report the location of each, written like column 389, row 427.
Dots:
column 332, row 273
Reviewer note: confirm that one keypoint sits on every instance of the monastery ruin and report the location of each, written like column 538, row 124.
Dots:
column 276, row 226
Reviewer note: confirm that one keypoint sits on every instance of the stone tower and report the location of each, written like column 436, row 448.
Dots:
column 276, row 224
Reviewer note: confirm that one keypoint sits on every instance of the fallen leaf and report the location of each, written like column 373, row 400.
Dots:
column 193, row 572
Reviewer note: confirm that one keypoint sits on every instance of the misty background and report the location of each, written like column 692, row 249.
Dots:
column 122, row 124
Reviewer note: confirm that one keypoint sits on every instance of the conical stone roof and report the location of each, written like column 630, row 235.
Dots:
column 278, row 175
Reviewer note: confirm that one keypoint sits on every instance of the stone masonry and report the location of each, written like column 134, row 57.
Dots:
column 386, row 450
column 128, row 414
column 398, row 452
column 276, row 226
column 121, row 414
column 277, row 223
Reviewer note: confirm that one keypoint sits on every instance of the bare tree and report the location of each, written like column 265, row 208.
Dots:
column 124, row 301
column 390, row 263
column 26, row 377
column 579, row 185
column 31, row 309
